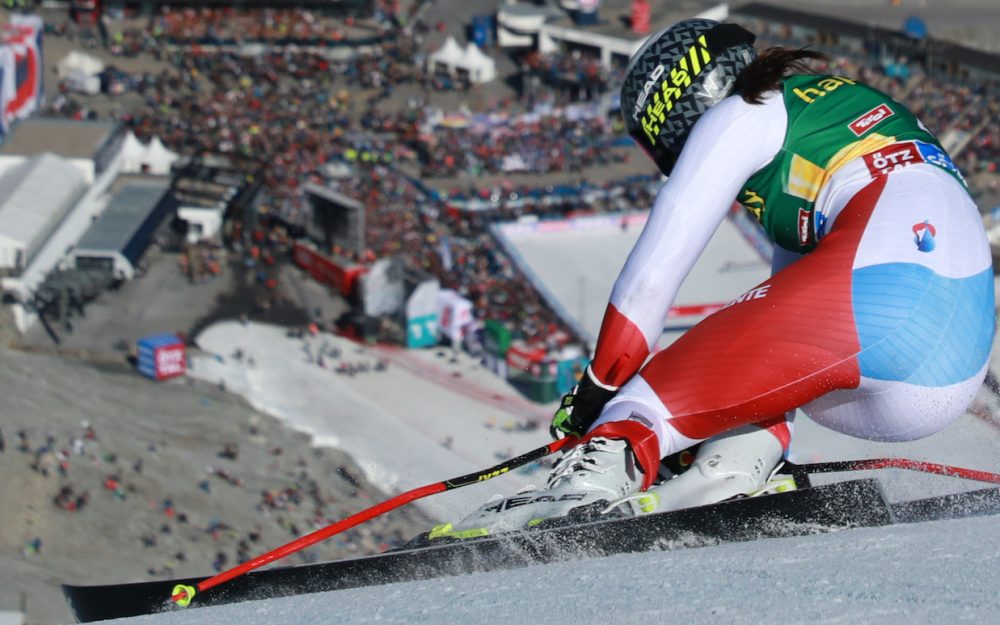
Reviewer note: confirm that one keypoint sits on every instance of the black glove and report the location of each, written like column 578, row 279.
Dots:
column 580, row 407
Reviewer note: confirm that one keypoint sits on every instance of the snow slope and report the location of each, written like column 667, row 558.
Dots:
column 931, row 573
column 938, row 572
column 396, row 423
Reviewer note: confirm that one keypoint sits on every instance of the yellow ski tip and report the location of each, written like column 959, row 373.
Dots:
column 445, row 530
column 182, row 595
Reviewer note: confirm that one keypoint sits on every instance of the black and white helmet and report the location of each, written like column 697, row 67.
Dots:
column 677, row 75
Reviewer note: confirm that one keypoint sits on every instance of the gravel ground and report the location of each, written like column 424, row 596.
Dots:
column 176, row 430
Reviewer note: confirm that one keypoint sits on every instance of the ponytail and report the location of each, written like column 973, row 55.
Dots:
column 770, row 67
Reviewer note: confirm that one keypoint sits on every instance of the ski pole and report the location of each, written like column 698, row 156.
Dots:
column 182, row 594
column 900, row 463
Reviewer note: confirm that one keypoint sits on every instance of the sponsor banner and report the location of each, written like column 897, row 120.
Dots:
column 342, row 277
column 893, row 157
column 805, row 232
column 422, row 331
column 640, row 17
column 936, row 156
column 455, row 314
column 578, row 224
column 161, row 356
column 23, row 37
column 8, row 87
column 170, row 361
column 869, row 120
column 901, row 155
column 520, row 357
column 36, row 26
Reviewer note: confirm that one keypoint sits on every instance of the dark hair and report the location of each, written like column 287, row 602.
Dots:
column 770, row 66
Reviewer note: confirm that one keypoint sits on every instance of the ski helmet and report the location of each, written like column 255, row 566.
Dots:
column 677, row 75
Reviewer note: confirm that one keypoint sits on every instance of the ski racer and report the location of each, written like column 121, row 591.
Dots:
column 877, row 320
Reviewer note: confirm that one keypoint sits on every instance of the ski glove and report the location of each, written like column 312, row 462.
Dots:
column 580, row 407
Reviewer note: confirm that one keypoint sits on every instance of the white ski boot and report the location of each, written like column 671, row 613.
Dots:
column 588, row 477
column 741, row 463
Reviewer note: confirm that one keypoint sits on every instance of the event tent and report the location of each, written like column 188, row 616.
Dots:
column 449, row 55
column 77, row 61
column 132, row 153
column 154, row 158
column 158, row 159
column 79, row 71
column 479, row 67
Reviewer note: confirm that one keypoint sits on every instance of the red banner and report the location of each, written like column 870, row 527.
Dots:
column 640, row 17
column 342, row 277
column 21, row 79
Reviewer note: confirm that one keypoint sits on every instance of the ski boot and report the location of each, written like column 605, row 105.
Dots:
column 742, row 463
column 583, row 483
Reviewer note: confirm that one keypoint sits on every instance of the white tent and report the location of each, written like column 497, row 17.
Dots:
column 481, row 67
column 82, row 83
column 450, row 55
column 472, row 60
column 79, row 71
column 158, row 159
column 77, row 61
column 133, row 152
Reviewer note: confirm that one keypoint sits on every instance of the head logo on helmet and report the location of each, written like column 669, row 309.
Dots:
column 654, row 78
column 676, row 76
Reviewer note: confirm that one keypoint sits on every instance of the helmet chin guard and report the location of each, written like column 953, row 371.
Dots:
column 677, row 75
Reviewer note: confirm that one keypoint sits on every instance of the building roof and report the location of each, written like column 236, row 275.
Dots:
column 35, row 196
column 125, row 214
column 65, row 137
column 333, row 196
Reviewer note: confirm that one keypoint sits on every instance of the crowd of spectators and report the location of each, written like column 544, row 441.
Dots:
column 208, row 25
column 230, row 26
column 535, row 143
column 291, row 112
column 508, row 200
column 574, row 73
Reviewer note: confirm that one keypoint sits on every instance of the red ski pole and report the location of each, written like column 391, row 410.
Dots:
column 182, row 594
column 900, row 463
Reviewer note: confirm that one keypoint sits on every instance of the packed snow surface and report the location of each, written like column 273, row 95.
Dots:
column 432, row 415
column 940, row 572
column 577, row 264
column 945, row 571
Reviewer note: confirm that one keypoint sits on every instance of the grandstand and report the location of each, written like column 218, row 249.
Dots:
column 334, row 8
column 840, row 35
column 433, row 167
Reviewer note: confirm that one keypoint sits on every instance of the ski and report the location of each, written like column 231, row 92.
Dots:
column 817, row 509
